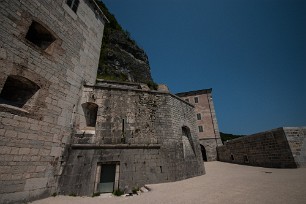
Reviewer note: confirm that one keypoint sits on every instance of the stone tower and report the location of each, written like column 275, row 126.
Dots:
column 205, row 115
column 48, row 50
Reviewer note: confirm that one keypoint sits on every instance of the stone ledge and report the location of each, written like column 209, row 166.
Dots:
column 116, row 146
column 110, row 87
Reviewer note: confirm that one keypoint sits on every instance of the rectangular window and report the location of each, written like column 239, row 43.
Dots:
column 39, row 35
column 73, row 4
column 187, row 99
column 200, row 128
column 199, row 117
column 196, row 100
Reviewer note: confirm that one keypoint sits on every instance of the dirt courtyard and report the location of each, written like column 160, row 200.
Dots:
column 222, row 183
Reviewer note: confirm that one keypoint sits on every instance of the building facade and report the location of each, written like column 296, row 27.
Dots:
column 60, row 132
column 136, row 135
column 206, row 120
column 278, row 148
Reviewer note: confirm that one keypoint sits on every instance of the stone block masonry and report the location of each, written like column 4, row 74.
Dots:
column 60, row 131
column 277, row 148
column 208, row 131
column 40, row 84
column 139, row 130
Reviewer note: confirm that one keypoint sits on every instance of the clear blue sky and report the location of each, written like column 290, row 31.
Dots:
column 251, row 53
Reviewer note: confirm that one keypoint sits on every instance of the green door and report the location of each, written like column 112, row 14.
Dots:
column 107, row 178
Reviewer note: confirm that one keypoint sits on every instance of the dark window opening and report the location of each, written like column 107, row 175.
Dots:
column 246, row 159
column 123, row 126
column 200, row 128
column 39, row 35
column 196, row 99
column 187, row 99
column 90, row 112
column 161, row 169
column 123, row 132
column 232, row 157
column 17, row 90
column 199, row 117
column 73, row 4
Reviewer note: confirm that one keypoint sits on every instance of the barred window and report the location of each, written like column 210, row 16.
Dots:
column 73, row 4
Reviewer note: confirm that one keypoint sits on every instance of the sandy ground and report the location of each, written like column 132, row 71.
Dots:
column 222, row 183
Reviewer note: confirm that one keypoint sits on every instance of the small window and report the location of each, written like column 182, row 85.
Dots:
column 73, row 4
column 39, row 35
column 200, row 128
column 196, row 100
column 232, row 157
column 17, row 90
column 199, row 117
column 187, row 99
column 90, row 112
column 246, row 159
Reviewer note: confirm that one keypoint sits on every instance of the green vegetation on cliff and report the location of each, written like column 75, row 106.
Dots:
column 227, row 136
column 121, row 59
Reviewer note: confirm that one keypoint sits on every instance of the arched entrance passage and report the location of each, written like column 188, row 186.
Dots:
column 203, row 153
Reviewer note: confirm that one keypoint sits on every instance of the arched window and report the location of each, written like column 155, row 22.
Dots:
column 90, row 113
column 17, row 90
column 187, row 142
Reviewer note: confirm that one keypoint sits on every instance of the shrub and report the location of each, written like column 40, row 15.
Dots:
column 118, row 192
column 152, row 85
column 72, row 194
column 96, row 194
column 135, row 190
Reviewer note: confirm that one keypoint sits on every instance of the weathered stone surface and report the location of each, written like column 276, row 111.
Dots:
column 35, row 183
column 34, row 135
column 146, row 126
column 278, row 148
column 56, row 78
column 205, row 115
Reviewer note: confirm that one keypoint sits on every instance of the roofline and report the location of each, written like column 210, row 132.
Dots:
column 100, row 11
column 196, row 92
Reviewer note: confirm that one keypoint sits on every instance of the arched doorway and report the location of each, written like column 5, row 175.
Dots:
column 203, row 153
column 187, row 142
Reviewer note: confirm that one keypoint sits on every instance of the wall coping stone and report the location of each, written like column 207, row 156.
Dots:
column 100, row 86
column 116, row 146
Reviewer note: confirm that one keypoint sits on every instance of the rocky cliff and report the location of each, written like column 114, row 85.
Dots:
column 121, row 58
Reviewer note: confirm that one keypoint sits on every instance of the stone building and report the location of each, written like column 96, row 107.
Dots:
column 59, row 129
column 278, row 148
column 140, row 136
column 207, row 126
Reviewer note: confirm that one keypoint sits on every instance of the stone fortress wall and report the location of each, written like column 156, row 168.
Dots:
column 47, row 51
column 277, row 148
column 58, row 129
column 141, row 131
